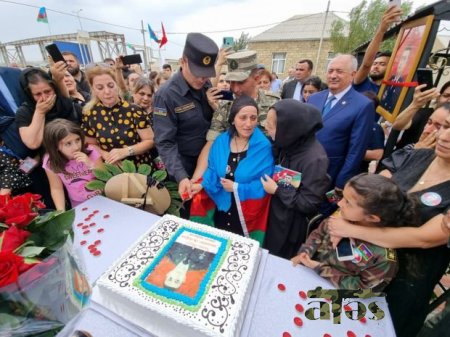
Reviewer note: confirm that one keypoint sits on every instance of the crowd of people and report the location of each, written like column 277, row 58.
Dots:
column 317, row 135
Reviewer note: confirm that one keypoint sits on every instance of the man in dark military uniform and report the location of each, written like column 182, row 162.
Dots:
column 182, row 115
column 243, row 77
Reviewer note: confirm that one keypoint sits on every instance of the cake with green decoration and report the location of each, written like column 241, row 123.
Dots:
column 183, row 279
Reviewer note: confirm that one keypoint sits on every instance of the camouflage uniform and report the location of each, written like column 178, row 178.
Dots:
column 376, row 273
column 220, row 123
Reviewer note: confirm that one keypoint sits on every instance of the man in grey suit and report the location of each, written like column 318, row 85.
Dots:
column 293, row 89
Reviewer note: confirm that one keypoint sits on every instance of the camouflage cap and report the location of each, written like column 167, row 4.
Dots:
column 240, row 65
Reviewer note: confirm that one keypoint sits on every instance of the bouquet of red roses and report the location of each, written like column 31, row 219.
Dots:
column 41, row 286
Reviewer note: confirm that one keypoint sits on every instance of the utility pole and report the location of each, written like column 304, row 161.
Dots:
column 321, row 35
column 145, row 48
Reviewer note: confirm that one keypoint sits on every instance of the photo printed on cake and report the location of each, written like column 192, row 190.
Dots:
column 183, row 271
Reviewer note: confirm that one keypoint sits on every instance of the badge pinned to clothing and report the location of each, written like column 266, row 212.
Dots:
column 431, row 199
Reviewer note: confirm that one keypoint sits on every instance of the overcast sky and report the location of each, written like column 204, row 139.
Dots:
column 226, row 17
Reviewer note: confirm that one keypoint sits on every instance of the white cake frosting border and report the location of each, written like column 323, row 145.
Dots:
column 220, row 311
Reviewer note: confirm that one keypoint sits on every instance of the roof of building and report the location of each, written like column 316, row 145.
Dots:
column 299, row 27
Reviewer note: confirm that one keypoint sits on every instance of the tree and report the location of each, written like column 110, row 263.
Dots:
column 242, row 42
column 364, row 20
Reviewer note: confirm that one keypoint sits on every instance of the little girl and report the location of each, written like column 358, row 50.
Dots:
column 68, row 162
column 369, row 200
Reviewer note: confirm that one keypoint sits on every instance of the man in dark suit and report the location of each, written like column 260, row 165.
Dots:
column 293, row 89
column 347, row 120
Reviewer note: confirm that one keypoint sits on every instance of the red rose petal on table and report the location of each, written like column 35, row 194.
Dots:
column 326, row 335
column 87, row 219
column 281, row 287
column 96, row 253
column 106, row 216
column 80, row 224
column 84, row 209
column 100, row 230
column 363, row 320
column 87, row 231
column 96, row 211
column 286, row 334
column 298, row 321
column 367, row 336
column 350, row 334
column 347, row 308
column 302, row 294
column 97, row 242
column 299, row 308
column 91, row 246
column 82, row 243
column 92, row 224
column 85, row 227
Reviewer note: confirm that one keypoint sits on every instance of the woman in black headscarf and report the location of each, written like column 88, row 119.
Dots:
column 43, row 104
column 292, row 126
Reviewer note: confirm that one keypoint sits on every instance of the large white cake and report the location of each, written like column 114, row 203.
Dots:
column 183, row 279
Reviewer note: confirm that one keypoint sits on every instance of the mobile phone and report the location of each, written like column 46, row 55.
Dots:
column 425, row 76
column 344, row 250
column 55, row 53
column 131, row 59
column 397, row 3
column 227, row 95
column 28, row 164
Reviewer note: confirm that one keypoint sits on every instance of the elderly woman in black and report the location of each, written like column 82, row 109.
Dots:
column 292, row 125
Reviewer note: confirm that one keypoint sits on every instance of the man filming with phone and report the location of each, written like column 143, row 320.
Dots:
column 73, row 67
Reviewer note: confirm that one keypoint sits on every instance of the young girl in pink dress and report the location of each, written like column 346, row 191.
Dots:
column 68, row 162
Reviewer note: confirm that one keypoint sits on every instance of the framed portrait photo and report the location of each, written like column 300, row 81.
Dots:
column 402, row 66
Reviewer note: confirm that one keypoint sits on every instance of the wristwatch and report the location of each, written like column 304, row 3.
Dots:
column 130, row 151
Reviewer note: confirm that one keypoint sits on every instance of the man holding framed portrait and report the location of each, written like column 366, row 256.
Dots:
column 402, row 66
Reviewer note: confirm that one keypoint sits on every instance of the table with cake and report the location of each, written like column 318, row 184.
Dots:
column 165, row 276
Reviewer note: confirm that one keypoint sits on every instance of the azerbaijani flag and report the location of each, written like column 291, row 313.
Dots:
column 42, row 15
column 164, row 37
column 152, row 34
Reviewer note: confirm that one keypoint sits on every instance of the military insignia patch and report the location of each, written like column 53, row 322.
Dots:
column 206, row 60
column 183, row 108
column 160, row 111
column 233, row 65
column 391, row 255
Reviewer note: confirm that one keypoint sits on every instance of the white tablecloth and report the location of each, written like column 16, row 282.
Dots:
column 271, row 311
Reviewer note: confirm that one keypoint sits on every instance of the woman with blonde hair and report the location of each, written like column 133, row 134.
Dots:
column 119, row 129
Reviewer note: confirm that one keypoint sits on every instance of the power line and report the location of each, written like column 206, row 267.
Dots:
column 168, row 32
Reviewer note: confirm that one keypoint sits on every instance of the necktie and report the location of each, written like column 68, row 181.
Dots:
column 327, row 106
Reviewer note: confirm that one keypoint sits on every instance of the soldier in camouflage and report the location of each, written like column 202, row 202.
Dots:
column 243, row 77
column 373, row 267
column 369, row 200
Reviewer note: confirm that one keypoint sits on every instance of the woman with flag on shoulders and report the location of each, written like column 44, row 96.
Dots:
column 238, row 159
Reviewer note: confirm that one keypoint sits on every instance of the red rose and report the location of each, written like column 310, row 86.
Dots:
column 11, row 266
column 21, row 220
column 4, row 199
column 12, row 238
